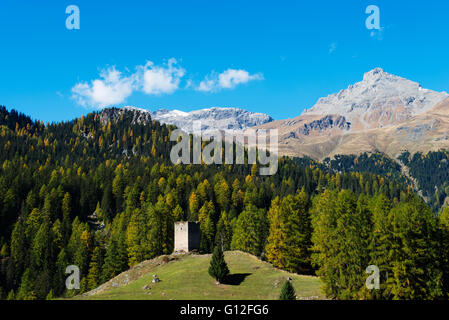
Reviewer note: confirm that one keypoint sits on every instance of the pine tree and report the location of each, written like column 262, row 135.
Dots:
column 250, row 231
column 218, row 268
column 60, row 275
column 26, row 289
column 94, row 276
column 66, row 210
column 112, row 265
column 18, row 246
column 287, row 292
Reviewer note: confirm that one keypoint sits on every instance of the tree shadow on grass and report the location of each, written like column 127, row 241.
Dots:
column 236, row 278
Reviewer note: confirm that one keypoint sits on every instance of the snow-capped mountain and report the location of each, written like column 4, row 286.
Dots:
column 211, row 119
column 380, row 99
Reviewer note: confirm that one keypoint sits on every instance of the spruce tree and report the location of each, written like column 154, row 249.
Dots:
column 287, row 292
column 250, row 231
column 218, row 268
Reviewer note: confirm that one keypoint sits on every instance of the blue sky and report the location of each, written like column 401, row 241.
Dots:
column 276, row 57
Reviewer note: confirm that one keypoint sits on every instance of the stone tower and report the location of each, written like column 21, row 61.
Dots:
column 187, row 236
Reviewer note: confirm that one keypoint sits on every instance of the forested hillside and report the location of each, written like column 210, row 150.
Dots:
column 430, row 171
column 100, row 192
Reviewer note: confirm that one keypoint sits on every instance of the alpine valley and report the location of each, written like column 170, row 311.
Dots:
column 363, row 179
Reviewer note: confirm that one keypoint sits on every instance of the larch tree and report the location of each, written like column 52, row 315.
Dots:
column 250, row 231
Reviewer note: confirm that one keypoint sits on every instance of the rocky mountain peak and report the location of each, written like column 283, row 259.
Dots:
column 380, row 99
column 377, row 74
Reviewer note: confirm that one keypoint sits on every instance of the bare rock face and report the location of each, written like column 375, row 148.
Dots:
column 139, row 116
column 325, row 123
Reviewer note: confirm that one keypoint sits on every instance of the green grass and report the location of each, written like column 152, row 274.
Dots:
column 187, row 278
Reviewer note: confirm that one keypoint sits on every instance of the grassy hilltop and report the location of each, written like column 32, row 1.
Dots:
column 186, row 277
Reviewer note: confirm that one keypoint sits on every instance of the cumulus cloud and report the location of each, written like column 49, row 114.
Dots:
column 113, row 87
column 228, row 79
column 158, row 80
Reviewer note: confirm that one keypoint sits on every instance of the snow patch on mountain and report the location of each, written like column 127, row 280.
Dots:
column 211, row 119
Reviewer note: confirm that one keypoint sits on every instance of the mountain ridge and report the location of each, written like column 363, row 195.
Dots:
column 382, row 113
column 214, row 118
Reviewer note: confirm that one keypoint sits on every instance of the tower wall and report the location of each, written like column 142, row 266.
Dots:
column 194, row 236
column 187, row 236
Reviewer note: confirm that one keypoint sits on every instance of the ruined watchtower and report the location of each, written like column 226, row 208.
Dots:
column 187, row 236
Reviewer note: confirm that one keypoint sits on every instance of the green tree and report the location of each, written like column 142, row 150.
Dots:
column 19, row 246
column 415, row 252
column 11, row 295
column 206, row 219
column 94, row 276
column 112, row 265
column 26, row 289
column 222, row 194
column 290, row 233
column 223, row 237
column 60, row 275
column 133, row 238
column 444, row 256
column 287, row 292
column 380, row 247
column 340, row 238
column 250, row 231
column 218, row 269
column 50, row 295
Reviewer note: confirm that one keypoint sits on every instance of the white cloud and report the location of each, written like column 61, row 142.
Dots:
column 158, row 80
column 111, row 88
column 228, row 79
column 208, row 84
